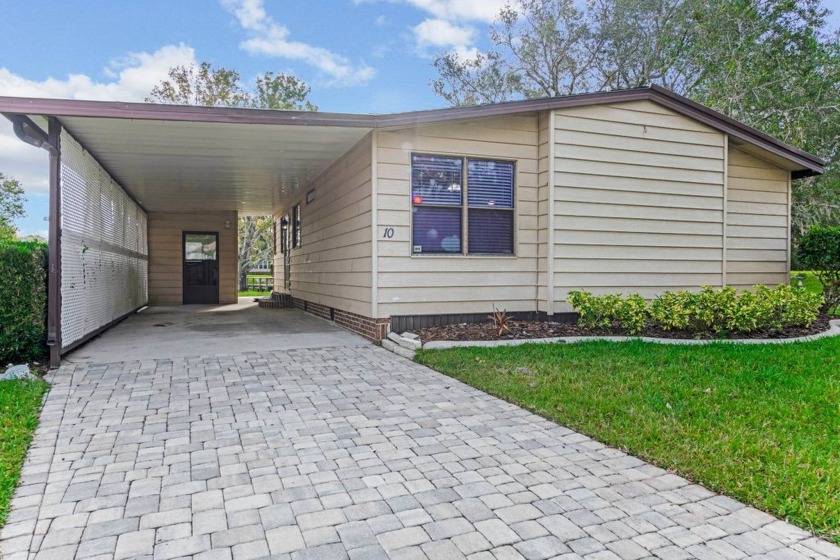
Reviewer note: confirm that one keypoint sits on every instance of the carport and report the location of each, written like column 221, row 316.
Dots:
column 141, row 194
column 167, row 332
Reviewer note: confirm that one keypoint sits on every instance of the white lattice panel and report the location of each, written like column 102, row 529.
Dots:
column 104, row 246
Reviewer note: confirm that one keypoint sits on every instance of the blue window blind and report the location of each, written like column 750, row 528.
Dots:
column 436, row 180
column 436, row 230
column 490, row 232
column 490, row 183
column 438, row 205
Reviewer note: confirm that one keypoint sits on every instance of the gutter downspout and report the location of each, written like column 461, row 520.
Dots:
column 28, row 132
column 54, row 278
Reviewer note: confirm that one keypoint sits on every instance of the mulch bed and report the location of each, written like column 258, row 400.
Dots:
column 520, row 330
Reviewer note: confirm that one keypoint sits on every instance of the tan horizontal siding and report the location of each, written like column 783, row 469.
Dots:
column 166, row 254
column 638, row 201
column 621, row 282
column 409, row 285
column 640, row 266
column 617, row 131
column 332, row 267
column 757, row 221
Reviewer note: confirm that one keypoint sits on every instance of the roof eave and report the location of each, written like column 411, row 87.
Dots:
column 810, row 164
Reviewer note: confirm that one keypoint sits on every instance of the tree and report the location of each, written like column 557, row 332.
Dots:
column 222, row 87
column 256, row 244
column 772, row 64
column 11, row 206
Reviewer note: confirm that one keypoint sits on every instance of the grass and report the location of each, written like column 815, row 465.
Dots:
column 255, row 293
column 759, row 423
column 20, row 404
column 809, row 282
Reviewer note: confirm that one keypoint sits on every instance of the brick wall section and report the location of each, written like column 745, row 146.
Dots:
column 370, row 328
column 318, row 310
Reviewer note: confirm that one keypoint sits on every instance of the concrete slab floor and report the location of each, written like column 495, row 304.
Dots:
column 211, row 330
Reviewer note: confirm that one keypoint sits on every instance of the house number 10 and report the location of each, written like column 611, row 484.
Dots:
column 388, row 233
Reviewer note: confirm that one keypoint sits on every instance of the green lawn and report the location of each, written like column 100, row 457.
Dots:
column 254, row 293
column 809, row 282
column 759, row 423
column 20, row 403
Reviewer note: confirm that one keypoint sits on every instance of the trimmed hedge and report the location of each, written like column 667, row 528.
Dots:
column 23, row 301
column 819, row 251
column 711, row 310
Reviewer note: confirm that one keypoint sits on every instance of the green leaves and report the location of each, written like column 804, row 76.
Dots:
column 711, row 310
column 222, row 87
column 11, row 206
column 600, row 312
column 23, row 300
column 819, row 250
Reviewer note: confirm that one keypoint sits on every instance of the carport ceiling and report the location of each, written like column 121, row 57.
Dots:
column 174, row 166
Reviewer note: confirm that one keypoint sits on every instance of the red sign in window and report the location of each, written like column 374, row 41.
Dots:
column 418, row 199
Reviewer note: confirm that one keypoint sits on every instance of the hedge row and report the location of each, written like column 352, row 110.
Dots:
column 711, row 310
column 23, row 301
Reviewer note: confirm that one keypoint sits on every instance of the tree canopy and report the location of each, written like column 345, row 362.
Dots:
column 11, row 206
column 222, row 87
column 772, row 64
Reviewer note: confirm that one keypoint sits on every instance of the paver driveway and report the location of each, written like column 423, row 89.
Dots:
column 345, row 451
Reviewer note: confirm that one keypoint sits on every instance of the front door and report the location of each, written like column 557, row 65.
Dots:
column 201, row 267
column 285, row 242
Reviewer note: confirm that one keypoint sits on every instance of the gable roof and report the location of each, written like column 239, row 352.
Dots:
column 808, row 163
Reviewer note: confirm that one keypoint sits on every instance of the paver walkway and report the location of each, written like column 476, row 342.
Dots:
column 346, row 452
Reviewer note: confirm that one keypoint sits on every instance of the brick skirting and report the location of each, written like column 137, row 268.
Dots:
column 373, row 329
column 370, row 328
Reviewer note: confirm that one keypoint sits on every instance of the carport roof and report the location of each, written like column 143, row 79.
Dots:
column 173, row 157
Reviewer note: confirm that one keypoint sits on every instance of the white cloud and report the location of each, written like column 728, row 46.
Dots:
column 132, row 79
column 272, row 39
column 447, row 28
column 441, row 33
column 461, row 10
column 455, row 10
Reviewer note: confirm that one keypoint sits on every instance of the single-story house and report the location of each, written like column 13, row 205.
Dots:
column 398, row 220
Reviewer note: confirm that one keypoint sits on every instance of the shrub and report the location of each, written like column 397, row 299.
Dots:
column 715, row 310
column 596, row 312
column 673, row 310
column 600, row 312
column 23, row 300
column 819, row 250
column 632, row 314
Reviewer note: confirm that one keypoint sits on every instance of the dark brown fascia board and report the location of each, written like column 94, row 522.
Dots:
column 189, row 113
column 152, row 111
column 511, row 107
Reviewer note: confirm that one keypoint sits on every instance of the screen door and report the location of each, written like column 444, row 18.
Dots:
column 201, row 267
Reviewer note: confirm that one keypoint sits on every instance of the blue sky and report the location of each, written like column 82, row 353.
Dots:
column 365, row 56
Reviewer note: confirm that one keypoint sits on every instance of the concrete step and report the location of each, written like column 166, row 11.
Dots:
column 397, row 349
column 277, row 300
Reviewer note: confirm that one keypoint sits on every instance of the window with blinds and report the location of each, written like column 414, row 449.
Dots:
column 451, row 215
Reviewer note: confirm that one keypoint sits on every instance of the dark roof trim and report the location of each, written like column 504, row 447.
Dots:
column 149, row 111
column 162, row 112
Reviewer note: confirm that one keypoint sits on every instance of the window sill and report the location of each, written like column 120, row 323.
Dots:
column 460, row 256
